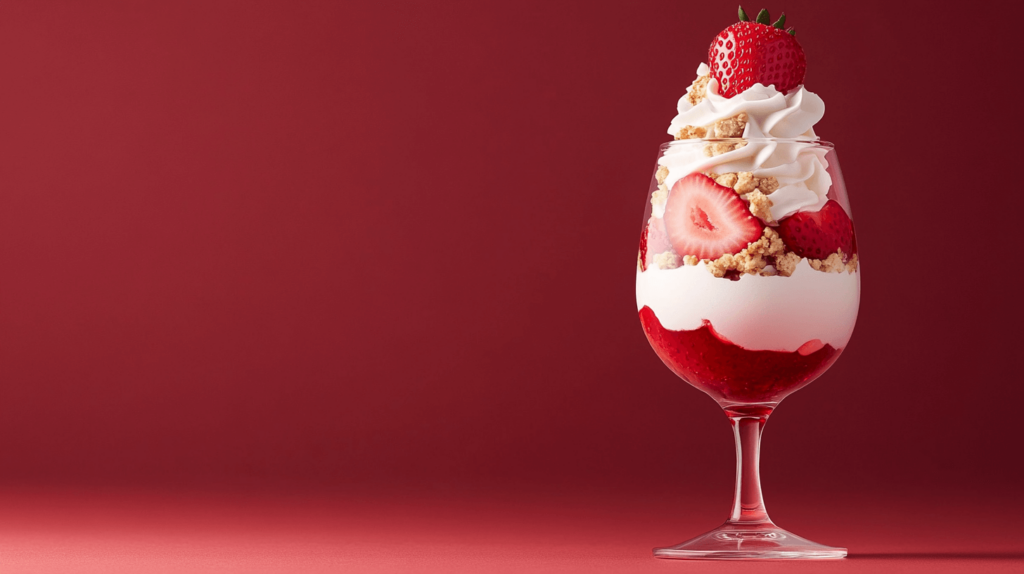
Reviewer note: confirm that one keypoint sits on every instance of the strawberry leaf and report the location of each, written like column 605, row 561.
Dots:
column 780, row 22
column 763, row 17
column 792, row 31
column 743, row 15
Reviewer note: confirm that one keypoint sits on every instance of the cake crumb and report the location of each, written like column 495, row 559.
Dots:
column 760, row 206
column 660, row 196
column 731, row 127
column 666, row 260
column 726, row 179
column 718, row 148
column 751, row 260
column 852, row 264
column 662, row 174
column 776, row 247
column 745, row 182
column 697, row 90
column 767, row 184
column 785, row 264
column 691, row 132
column 690, row 260
column 832, row 264
column 719, row 266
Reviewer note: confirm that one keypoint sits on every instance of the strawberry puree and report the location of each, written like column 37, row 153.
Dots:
column 730, row 373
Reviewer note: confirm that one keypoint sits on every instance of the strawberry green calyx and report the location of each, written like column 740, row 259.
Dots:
column 764, row 18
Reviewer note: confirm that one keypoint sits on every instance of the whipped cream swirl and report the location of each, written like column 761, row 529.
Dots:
column 799, row 167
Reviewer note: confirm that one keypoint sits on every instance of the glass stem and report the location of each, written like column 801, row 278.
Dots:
column 748, row 505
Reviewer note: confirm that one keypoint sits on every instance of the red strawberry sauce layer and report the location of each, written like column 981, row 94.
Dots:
column 729, row 372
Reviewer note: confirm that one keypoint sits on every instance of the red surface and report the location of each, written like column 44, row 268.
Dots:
column 728, row 372
column 131, row 531
column 319, row 246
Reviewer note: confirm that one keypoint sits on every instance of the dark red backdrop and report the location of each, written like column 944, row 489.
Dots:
column 376, row 244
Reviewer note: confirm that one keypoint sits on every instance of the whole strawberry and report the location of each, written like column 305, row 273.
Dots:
column 818, row 234
column 749, row 53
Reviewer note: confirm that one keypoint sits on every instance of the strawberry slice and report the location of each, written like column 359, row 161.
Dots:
column 653, row 241
column 708, row 220
column 818, row 234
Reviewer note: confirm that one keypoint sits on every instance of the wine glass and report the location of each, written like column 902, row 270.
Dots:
column 753, row 326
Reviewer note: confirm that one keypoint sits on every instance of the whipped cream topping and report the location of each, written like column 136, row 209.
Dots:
column 799, row 167
column 756, row 312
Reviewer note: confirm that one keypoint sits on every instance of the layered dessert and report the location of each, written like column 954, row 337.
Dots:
column 748, row 276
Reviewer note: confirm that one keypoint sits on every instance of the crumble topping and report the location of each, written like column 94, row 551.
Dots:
column 767, row 184
column 695, row 93
column 718, row 148
column 666, row 260
column 662, row 174
column 831, row 264
column 760, row 206
column 691, row 132
column 785, row 264
column 731, row 127
column 726, row 128
column 744, row 182
column 726, row 179
column 852, row 264
column 767, row 257
column 720, row 266
column 834, row 263
column 660, row 196
column 751, row 260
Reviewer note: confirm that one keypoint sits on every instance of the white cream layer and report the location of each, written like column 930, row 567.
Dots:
column 757, row 313
column 800, row 168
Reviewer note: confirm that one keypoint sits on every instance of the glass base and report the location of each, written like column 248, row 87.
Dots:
column 749, row 542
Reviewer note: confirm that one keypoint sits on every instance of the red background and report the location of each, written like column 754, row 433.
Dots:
column 386, row 249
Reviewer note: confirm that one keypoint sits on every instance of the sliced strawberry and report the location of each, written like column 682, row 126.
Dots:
column 708, row 220
column 818, row 234
column 653, row 241
column 657, row 237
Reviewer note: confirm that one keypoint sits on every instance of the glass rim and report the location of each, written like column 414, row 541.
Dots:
column 804, row 141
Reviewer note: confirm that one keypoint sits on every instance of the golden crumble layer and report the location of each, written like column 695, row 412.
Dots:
column 666, row 260
column 752, row 260
column 695, row 93
column 718, row 148
column 744, row 182
column 834, row 263
column 731, row 127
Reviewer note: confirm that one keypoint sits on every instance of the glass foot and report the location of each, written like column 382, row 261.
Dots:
column 749, row 542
